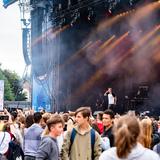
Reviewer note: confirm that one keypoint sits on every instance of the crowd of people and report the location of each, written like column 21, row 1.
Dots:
column 78, row 135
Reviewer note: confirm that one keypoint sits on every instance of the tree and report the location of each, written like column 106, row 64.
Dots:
column 8, row 93
column 16, row 85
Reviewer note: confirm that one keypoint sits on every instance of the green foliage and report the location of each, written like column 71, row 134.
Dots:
column 8, row 93
column 22, row 96
column 13, row 87
column 16, row 85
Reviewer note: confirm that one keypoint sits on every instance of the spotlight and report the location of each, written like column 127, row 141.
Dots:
column 110, row 11
column 75, row 16
column 62, row 22
column 131, row 2
column 90, row 14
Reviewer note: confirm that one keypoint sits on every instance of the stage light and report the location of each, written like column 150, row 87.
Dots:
column 131, row 2
column 110, row 11
column 75, row 16
column 90, row 14
column 62, row 22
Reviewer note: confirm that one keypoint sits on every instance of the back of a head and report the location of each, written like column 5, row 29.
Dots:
column 71, row 114
column 146, row 132
column 100, row 116
column 46, row 116
column 126, row 132
column 29, row 121
column 37, row 117
column 14, row 115
column 65, row 117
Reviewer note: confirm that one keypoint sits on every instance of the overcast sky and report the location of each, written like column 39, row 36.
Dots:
column 11, row 56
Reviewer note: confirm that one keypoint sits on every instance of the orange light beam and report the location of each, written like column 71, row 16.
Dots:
column 139, row 44
column 111, row 47
column 143, row 12
column 102, row 47
column 90, row 82
column 49, row 34
column 75, row 56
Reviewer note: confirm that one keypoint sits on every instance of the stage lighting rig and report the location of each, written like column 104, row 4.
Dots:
column 62, row 12
column 90, row 13
column 75, row 16
column 131, row 2
column 62, row 21
column 112, row 4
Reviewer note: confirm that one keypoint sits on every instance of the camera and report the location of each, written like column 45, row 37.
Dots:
column 4, row 117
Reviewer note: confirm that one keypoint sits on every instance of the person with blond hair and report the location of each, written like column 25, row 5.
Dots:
column 145, row 137
column 126, row 131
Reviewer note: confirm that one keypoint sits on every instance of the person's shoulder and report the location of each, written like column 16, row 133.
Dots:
column 96, row 133
column 151, row 154
column 30, row 129
column 38, row 128
column 156, row 148
column 47, row 140
column 109, row 154
column 32, row 126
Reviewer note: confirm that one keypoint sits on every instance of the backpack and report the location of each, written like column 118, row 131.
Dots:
column 15, row 151
column 93, row 135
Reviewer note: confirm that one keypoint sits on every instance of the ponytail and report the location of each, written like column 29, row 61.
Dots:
column 45, row 131
column 126, row 133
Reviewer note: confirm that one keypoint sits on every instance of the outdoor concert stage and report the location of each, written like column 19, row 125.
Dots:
column 81, row 48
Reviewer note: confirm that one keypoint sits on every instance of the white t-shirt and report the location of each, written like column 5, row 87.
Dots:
column 110, row 99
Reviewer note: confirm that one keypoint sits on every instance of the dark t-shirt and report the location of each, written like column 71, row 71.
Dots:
column 108, row 133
